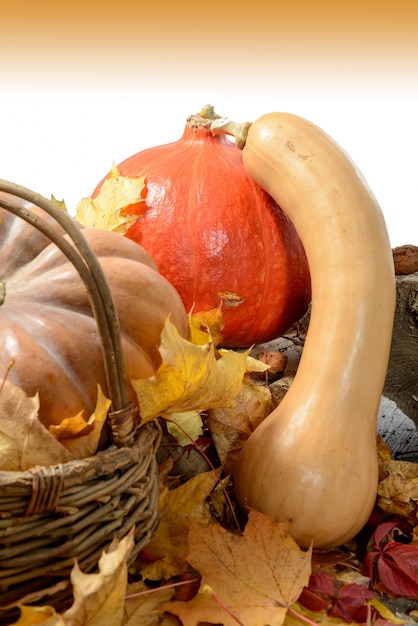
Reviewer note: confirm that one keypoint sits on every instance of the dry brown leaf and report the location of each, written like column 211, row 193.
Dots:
column 141, row 604
column 190, row 378
column 39, row 615
column 231, row 427
column 99, row 598
column 81, row 438
column 71, row 428
column 397, row 495
column 257, row 576
column 398, row 483
column 110, row 209
column 24, row 441
column 170, row 540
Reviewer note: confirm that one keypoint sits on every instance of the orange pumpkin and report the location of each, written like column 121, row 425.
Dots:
column 216, row 235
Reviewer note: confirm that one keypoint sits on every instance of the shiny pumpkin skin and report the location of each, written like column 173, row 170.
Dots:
column 47, row 326
column 212, row 230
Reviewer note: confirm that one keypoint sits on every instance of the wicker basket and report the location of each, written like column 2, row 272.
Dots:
column 50, row 516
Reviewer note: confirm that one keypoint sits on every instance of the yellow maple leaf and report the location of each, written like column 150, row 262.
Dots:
column 177, row 507
column 190, row 378
column 109, row 209
column 249, row 579
column 206, row 326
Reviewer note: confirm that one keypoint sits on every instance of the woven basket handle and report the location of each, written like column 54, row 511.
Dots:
column 123, row 413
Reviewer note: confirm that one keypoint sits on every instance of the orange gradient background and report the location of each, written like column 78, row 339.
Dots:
column 86, row 83
column 173, row 42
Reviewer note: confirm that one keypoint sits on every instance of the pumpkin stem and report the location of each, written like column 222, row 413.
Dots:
column 224, row 126
column 204, row 118
column 208, row 112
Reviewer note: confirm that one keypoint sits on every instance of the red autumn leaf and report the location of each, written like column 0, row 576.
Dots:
column 350, row 603
column 314, row 598
column 201, row 442
column 344, row 601
column 382, row 531
column 392, row 563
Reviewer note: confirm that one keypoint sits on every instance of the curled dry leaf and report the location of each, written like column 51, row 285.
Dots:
column 276, row 362
column 99, row 598
column 110, row 210
column 206, row 326
column 39, row 615
column 24, row 441
column 231, row 427
column 81, row 438
column 398, row 484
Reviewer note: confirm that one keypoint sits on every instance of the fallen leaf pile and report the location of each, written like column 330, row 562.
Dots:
column 257, row 575
column 204, row 566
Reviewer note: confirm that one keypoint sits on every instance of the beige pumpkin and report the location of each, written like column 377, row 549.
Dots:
column 49, row 339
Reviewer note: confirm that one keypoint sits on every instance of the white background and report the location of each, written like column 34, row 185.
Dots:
column 62, row 124
column 64, row 144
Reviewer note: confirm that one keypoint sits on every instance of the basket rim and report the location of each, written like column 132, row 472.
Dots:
column 111, row 459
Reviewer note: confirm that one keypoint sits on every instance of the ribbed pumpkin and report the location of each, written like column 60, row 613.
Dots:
column 48, row 334
column 217, row 236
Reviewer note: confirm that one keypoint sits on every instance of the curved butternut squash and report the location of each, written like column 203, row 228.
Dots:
column 313, row 460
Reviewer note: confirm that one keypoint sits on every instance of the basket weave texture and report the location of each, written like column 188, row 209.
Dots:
column 51, row 516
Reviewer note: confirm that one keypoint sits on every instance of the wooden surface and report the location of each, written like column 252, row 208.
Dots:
column 401, row 383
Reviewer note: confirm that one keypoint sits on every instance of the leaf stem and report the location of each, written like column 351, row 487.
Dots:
column 302, row 617
column 224, row 607
column 161, row 588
